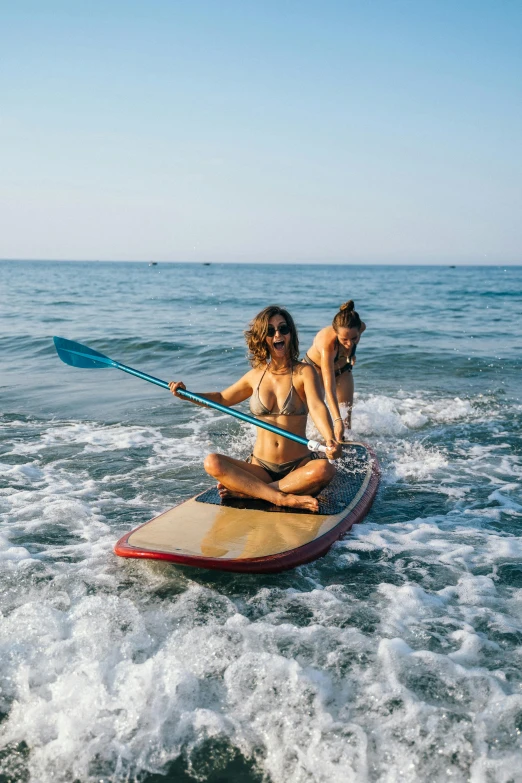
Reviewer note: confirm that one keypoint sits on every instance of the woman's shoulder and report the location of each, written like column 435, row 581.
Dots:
column 255, row 374
column 303, row 370
column 326, row 337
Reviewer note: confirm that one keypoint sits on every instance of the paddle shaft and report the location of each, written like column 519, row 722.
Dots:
column 193, row 397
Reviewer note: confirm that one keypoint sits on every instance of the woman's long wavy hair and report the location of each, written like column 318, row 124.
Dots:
column 256, row 335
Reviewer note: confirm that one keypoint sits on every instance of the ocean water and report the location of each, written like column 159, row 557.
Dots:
column 397, row 656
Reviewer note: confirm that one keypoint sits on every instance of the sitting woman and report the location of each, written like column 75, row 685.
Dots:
column 283, row 391
column 333, row 356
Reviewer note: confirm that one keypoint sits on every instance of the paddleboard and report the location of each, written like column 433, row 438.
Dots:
column 254, row 536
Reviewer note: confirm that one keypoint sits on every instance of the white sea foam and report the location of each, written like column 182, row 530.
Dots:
column 94, row 438
column 380, row 415
column 134, row 685
column 413, row 460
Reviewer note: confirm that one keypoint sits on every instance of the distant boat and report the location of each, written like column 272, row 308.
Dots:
column 153, row 263
column 206, row 263
column 453, row 267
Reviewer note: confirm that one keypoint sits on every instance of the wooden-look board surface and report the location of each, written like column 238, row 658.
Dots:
column 245, row 535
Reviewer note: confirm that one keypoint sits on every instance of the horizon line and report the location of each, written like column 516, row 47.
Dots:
column 448, row 263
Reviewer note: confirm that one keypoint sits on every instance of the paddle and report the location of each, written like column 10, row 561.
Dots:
column 78, row 355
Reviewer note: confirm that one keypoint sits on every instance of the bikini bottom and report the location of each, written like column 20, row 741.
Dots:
column 345, row 368
column 278, row 470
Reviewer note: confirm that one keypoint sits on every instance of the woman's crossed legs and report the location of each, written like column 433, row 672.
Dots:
column 238, row 478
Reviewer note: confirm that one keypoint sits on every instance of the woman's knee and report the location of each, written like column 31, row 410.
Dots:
column 213, row 464
column 324, row 471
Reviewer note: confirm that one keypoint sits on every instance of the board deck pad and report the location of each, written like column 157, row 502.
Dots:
column 252, row 535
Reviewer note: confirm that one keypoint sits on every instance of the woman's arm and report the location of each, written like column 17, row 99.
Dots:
column 239, row 391
column 319, row 411
column 328, row 372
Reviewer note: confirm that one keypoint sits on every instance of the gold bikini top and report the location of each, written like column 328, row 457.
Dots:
column 292, row 406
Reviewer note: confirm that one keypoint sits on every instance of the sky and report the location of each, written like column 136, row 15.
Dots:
column 373, row 131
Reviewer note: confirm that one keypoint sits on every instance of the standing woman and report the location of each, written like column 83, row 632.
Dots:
column 333, row 355
column 283, row 391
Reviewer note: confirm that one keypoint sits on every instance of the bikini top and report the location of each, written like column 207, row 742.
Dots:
column 292, row 406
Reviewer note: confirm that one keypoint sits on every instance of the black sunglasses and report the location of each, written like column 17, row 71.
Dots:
column 282, row 329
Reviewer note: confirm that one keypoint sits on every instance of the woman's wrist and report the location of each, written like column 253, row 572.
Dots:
column 327, row 435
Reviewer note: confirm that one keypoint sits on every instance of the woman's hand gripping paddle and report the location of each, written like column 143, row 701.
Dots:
column 78, row 355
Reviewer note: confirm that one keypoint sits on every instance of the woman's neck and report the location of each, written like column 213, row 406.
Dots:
column 280, row 366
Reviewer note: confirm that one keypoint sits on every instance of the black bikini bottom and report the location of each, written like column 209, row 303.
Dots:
column 277, row 471
column 345, row 368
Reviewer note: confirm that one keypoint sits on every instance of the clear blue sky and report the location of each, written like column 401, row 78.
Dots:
column 382, row 131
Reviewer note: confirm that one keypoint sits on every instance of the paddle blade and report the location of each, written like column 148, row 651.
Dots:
column 78, row 355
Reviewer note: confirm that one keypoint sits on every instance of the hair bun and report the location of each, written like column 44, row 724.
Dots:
column 347, row 306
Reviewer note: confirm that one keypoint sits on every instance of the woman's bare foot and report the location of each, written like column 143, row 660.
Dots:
column 292, row 501
column 298, row 501
column 225, row 493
